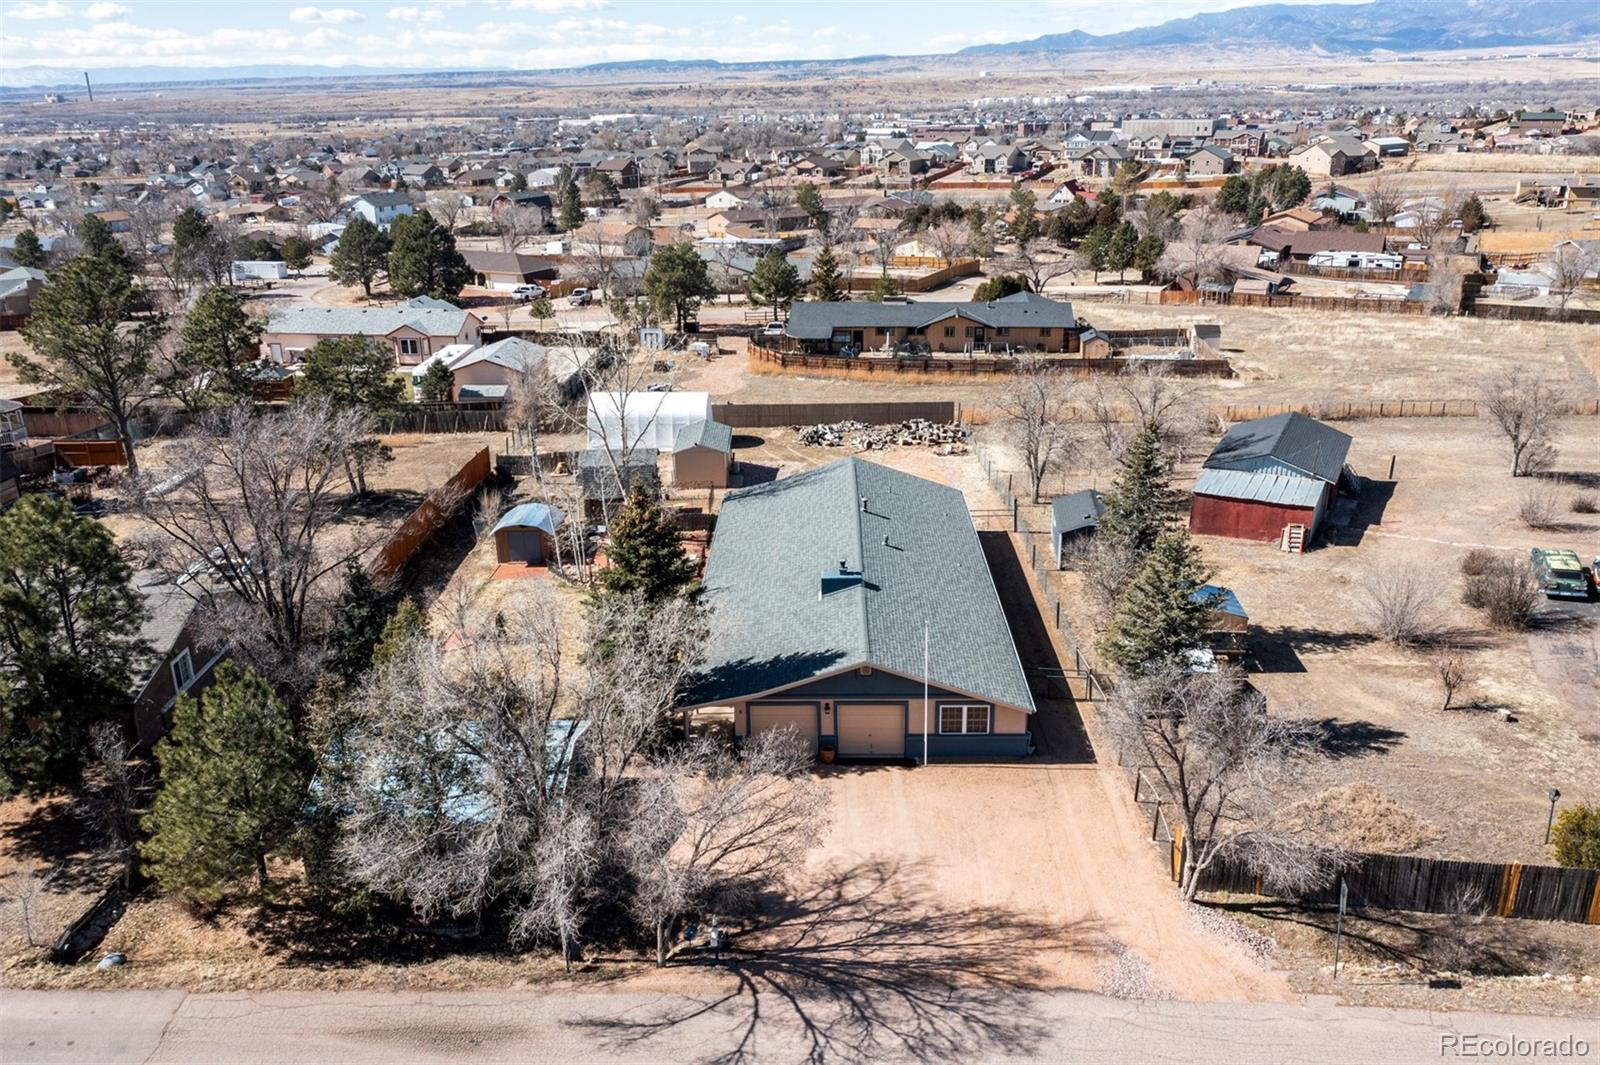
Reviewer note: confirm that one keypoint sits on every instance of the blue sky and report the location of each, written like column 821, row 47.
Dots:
column 531, row 34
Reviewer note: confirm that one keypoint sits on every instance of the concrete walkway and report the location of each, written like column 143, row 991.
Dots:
column 634, row 1026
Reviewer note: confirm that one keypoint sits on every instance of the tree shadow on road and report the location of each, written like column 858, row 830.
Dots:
column 868, row 964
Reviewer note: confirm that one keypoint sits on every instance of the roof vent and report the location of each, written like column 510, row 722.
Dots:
column 885, row 539
column 837, row 580
column 863, row 505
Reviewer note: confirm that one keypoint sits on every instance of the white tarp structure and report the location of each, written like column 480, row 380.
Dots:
column 628, row 420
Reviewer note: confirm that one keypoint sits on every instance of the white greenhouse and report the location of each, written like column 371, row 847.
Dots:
column 628, row 420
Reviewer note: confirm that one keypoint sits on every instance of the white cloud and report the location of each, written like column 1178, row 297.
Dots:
column 416, row 14
column 105, row 11
column 551, row 7
column 325, row 14
column 52, row 9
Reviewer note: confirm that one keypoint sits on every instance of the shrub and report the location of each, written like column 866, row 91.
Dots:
column 1507, row 592
column 1585, row 504
column 1400, row 605
column 1539, row 509
column 1476, row 562
column 1576, row 837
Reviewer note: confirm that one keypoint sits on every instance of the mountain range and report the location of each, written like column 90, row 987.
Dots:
column 1380, row 26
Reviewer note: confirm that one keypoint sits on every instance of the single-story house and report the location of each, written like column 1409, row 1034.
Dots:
column 18, row 286
column 487, row 373
column 1268, row 474
column 730, row 199
column 502, row 271
column 1022, row 320
column 605, row 479
column 1073, row 518
column 827, row 588
column 527, row 533
column 415, row 329
column 702, row 454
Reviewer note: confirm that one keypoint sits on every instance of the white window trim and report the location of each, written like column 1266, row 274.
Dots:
column 968, row 712
column 182, row 656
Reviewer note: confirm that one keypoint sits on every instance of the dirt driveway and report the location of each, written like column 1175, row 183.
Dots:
column 1048, row 851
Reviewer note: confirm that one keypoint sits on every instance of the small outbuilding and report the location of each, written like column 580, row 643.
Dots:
column 1269, row 475
column 1073, row 518
column 527, row 534
column 702, row 455
column 606, row 479
column 1229, row 622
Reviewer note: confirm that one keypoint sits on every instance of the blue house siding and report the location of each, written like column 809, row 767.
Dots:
column 994, row 745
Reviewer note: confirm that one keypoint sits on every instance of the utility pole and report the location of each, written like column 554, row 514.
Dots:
column 87, row 86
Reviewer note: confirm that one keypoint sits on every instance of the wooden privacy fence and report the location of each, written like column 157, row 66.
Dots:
column 445, row 418
column 780, row 415
column 1334, row 304
column 434, row 510
column 1517, row 312
column 1380, row 408
column 90, row 452
column 1430, row 885
column 61, row 421
column 970, row 365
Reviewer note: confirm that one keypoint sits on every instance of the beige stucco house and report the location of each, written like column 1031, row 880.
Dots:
column 415, row 329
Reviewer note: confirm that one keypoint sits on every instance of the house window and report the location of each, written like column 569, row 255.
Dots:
column 182, row 671
column 949, row 330
column 970, row 719
column 1044, row 333
column 410, row 346
column 1004, row 331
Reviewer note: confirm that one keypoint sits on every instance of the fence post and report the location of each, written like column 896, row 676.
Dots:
column 1014, row 526
column 1155, row 822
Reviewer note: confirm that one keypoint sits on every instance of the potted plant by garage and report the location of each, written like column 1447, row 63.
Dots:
column 826, row 752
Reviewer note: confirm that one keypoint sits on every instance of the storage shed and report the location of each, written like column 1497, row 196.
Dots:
column 606, row 478
column 702, row 454
column 1073, row 517
column 1268, row 474
column 527, row 533
column 1229, row 622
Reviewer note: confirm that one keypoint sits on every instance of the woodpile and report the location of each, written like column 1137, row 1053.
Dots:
column 949, row 437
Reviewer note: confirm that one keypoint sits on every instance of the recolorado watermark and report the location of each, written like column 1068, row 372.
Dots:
column 1468, row 1045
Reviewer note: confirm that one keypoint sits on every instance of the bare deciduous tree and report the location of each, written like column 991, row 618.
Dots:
column 1454, row 673
column 1445, row 276
column 713, row 827
column 1159, row 398
column 1034, row 405
column 243, row 520
column 446, row 208
column 950, row 240
column 1400, row 602
column 1569, row 266
column 1525, row 407
column 1223, row 764
column 1039, row 264
column 1198, row 250
column 516, row 224
column 1384, row 197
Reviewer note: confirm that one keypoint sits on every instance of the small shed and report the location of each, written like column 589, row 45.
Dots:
column 1268, row 474
column 527, row 533
column 1229, row 623
column 606, row 479
column 1072, row 518
column 702, row 454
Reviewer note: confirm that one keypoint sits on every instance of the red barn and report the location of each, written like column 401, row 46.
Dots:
column 1267, row 474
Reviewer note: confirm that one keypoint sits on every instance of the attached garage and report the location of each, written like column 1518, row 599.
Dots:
column 872, row 730
column 802, row 717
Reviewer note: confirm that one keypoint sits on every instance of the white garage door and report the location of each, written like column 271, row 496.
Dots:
column 871, row 730
column 801, row 717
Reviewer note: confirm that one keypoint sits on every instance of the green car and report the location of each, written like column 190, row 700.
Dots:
column 1561, row 575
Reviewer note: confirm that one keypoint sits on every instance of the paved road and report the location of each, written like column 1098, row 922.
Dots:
column 634, row 1026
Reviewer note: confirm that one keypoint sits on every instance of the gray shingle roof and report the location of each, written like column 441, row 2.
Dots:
column 811, row 320
column 714, row 435
column 1080, row 510
column 771, row 626
column 437, row 321
column 1293, row 439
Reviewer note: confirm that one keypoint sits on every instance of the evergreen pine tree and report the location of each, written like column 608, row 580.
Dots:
column 358, row 625
column 1161, row 615
column 1148, row 253
column 1119, row 251
column 645, row 555
column 774, row 282
column 437, row 381
column 826, row 284
column 424, row 260
column 233, row 781
column 571, row 211
column 1095, row 247
column 28, row 251
column 405, row 624
column 360, row 256
column 1140, row 505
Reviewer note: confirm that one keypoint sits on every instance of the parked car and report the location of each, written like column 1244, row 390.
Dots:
column 1560, row 573
column 579, row 297
column 528, row 292
column 773, row 329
